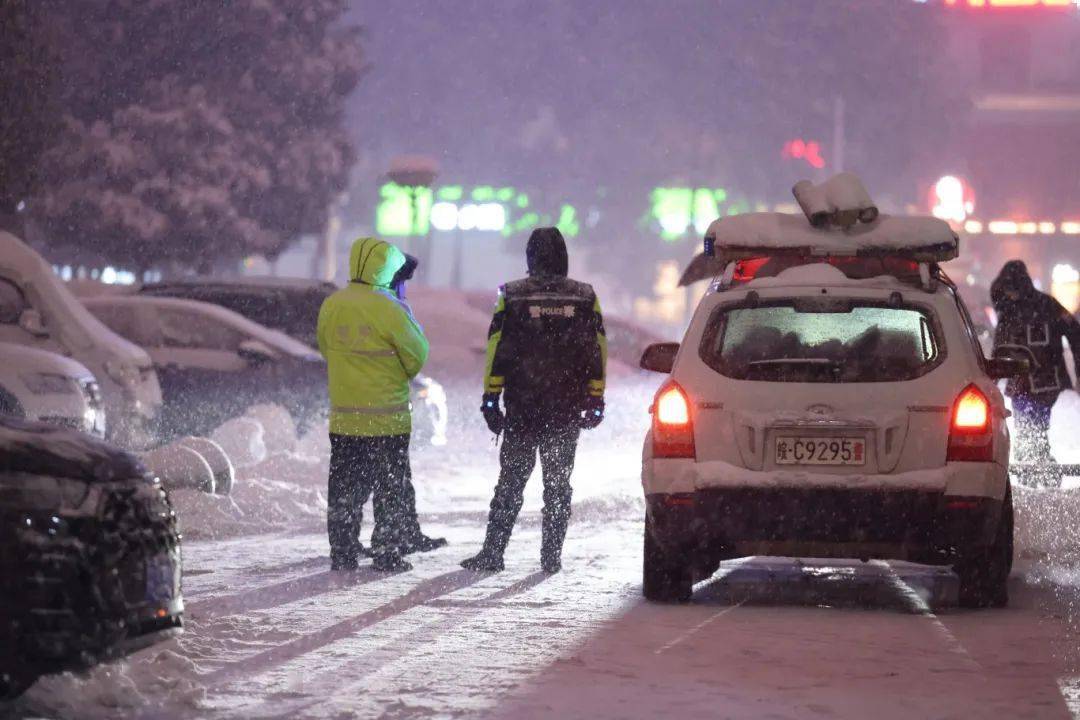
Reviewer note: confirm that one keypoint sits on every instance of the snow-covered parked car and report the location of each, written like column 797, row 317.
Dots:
column 40, row 385
column 291, row 305
column 213, row 364
column 829, row 399
column 89, row 554
column 38, row 311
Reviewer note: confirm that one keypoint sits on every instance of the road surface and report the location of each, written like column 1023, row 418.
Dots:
column 271, row 633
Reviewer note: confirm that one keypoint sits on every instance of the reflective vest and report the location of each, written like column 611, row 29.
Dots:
column 372, row 344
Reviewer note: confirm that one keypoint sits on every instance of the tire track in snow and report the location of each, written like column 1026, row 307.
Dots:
column 282, row 593
column 329, row 686
column 279, row 655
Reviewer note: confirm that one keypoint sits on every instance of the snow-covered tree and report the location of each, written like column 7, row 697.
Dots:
column 30, row 117
column 197, row 132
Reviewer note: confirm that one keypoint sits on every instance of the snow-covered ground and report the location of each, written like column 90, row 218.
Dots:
column 271, row 633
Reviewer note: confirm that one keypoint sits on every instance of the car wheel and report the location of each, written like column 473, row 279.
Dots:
column 664, row 579
column 984, row 574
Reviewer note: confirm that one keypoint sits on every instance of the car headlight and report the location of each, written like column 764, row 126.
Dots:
column 92, row 392
column 48, row 384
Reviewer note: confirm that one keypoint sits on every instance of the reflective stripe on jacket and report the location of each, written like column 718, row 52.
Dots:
column 372, row 344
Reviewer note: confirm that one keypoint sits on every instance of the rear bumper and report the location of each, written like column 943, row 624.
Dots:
column 929, row 516
column 964, row 479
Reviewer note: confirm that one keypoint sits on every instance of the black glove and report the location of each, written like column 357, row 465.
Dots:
column 592, row 413
column 493, row 415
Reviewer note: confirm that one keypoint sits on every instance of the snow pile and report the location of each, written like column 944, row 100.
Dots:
column 279, row 430
column 160, row 677
column 280, row 480
column 242, row 440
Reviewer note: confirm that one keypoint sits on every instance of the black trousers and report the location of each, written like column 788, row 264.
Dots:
column 359, row 467
column 556, row 444
column 410, row 519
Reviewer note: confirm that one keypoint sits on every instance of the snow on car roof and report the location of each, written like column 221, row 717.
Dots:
column 22, row 358
column 62, row 311
column 737, row 237
column 246, row 282
column 753, row 234
column 274, row 338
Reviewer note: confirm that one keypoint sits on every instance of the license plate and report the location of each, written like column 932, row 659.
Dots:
column 820, row 451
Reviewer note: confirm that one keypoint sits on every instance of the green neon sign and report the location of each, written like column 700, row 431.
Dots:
column 678, row 210
column 408, row 211
column 403, row 210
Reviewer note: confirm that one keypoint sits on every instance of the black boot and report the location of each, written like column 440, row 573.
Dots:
column 484, row 561
column 422, row 543
column 553, row 532
column 390, row 562
column 490, row 557
column 550, row 565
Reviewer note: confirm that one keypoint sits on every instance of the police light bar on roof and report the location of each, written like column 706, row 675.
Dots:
column 840, row 220
column 923, row 239
column 848, row 225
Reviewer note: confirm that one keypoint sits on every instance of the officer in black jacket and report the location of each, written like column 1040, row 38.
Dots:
column 546, row 357
column 1031, row 325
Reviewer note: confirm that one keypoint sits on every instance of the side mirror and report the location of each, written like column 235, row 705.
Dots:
column 1007, row 364
column 659, row 357
column 255, row 352
column 30, row 320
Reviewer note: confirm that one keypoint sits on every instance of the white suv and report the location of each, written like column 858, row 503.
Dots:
column 830, row 399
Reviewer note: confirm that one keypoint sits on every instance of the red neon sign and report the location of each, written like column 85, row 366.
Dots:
column 808, row 150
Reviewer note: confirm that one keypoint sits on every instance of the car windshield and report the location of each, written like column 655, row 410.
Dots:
column 837, row 341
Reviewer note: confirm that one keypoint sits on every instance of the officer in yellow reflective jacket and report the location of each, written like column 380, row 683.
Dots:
column 373, row 347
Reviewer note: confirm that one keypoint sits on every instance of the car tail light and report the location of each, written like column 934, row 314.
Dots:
column 672, row 426
column 971, row 431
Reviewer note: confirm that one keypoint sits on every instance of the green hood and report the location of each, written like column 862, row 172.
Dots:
column 374, row 262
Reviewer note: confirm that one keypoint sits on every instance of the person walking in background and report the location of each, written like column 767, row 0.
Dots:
column 373, row 347
column 1031, row 325
column 546, row 358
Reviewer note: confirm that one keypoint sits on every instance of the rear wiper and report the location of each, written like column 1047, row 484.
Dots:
column 796, row 361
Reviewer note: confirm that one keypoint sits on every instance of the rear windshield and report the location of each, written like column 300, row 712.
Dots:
column 833, row 340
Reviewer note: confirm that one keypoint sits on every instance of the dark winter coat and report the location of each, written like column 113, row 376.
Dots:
column 1032, row 324
column 546, row 344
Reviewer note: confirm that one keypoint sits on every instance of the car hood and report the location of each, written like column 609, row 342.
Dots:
column 39, row 449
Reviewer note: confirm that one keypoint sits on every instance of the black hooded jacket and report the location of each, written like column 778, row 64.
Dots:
column 546, row 344
column 1031, row 324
